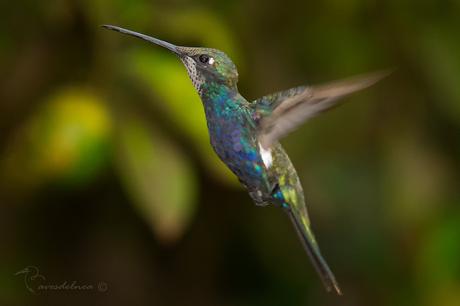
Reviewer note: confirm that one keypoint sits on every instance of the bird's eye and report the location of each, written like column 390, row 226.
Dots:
column 204, row 58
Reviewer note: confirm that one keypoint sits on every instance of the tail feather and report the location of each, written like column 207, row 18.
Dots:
column 312, row 249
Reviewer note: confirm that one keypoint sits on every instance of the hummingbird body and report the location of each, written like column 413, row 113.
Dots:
column 232, row 134
column 245, row 134
column 268, row 175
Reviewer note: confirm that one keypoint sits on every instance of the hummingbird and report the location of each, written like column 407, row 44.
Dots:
column 245, row 134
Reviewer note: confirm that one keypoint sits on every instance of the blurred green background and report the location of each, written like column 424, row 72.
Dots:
column 106, row 172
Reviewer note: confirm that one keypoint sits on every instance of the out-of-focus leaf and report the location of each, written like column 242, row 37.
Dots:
column 67, row 141
column 166, row 76
column 158, row 177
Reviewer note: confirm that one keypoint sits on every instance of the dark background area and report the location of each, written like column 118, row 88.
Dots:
column 107, row 177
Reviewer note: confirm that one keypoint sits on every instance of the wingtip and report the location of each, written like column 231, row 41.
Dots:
column 380, row 75
column 337, row 289
column 332, row 285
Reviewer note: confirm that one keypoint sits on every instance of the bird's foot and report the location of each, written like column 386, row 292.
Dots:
column 259, row 199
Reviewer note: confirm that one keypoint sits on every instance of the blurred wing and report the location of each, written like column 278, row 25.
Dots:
column 282, row 112
column 299, row 218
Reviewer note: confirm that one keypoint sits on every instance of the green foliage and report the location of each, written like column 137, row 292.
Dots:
column 67, row 141
column 159, row 178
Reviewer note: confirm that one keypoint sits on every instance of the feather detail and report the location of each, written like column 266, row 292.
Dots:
column 283, row 112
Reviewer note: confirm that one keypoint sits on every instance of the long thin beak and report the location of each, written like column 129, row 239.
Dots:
column 153, row 40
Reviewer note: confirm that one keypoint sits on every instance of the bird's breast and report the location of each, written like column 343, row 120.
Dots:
column 237, row 146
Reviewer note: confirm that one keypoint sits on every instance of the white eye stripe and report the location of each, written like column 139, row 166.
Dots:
column 211, row 61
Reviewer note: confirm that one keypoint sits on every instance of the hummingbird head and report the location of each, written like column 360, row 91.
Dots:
column 208, row 65
column 203, row 64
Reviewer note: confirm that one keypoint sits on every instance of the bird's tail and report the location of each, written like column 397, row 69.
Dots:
column 312, row 249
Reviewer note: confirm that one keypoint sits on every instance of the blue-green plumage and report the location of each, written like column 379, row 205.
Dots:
column 245, row 134
column 232, row 134
column 233, row 130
